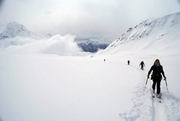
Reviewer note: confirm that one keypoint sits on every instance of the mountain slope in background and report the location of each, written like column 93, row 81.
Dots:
column 17, row 34
column 15, row 29
column 151, row 36
column 91, row 44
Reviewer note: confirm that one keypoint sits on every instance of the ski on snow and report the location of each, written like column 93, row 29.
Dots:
column 158, row 97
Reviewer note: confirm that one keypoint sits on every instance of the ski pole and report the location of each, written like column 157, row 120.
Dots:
column 166, row 85
column 146, row 82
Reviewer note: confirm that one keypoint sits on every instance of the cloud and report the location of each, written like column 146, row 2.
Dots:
column 84, row 18
column 1, row 2
column 60, row 45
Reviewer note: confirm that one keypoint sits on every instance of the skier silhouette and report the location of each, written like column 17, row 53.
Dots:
column 156, row 76
column 142, row 65
column 128, row 62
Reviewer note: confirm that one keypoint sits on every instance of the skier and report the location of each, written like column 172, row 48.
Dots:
column 142, row 65
column 156, row 76
column 128, row 62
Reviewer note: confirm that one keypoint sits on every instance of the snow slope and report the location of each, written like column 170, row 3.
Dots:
column 151, row 36
column 41, row 87
column 50, row 87
column 36, row 84
column 152, row 39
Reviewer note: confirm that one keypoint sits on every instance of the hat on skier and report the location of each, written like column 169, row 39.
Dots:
column 157, row 62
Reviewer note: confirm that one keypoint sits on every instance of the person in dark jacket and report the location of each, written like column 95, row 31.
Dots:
column 156, row 76
column 128, row 62
column 142, row 65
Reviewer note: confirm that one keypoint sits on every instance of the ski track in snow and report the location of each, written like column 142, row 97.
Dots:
column 146, row 108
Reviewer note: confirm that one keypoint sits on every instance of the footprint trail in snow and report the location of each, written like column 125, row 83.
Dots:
column 146, row 108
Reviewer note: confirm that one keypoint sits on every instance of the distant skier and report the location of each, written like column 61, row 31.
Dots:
column 128, row 62
column 157, row 76
column 142, row 65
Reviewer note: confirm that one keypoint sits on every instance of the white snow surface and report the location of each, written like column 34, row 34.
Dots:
column 39, row 83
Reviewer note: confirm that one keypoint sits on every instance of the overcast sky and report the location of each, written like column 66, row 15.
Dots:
column 84, row 18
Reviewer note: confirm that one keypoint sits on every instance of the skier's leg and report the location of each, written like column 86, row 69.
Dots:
column 158, row 87
column 154, row 85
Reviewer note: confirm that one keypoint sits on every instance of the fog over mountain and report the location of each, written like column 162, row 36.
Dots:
column 84, row 18
column 14, row 34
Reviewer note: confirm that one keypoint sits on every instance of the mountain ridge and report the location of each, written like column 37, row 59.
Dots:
column 160, row 34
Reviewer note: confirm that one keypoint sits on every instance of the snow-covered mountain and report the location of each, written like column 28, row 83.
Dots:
column 17, row 34
column 15, row 29
column 91, row 44
column 153, row 36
